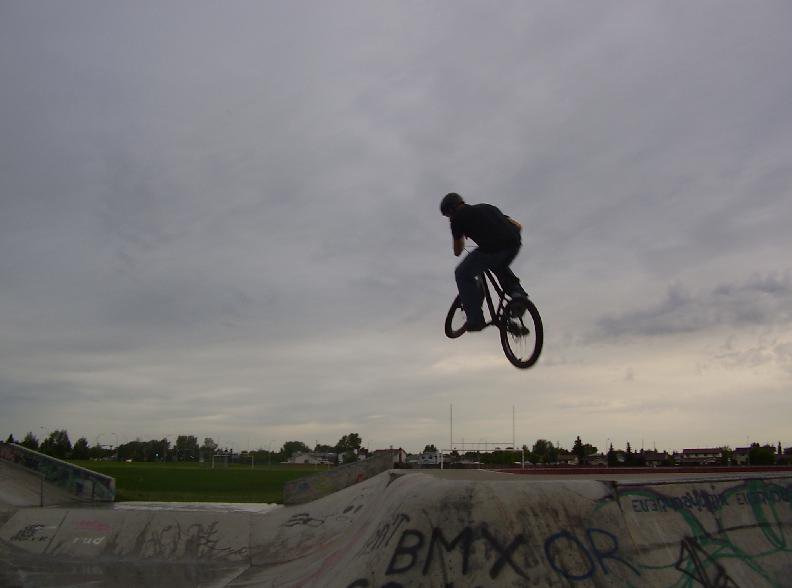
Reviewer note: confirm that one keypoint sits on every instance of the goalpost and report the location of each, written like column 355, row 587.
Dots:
column 487, row 444
column 489, row 447
column 225, row 459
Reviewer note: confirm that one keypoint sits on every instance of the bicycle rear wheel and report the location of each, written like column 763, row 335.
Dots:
column 455, row 320
column 522, row 337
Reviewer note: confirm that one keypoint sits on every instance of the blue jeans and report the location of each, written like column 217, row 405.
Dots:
column 474, row 265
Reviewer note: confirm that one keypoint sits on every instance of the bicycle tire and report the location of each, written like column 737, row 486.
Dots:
column 450, row 331
column 523, row 361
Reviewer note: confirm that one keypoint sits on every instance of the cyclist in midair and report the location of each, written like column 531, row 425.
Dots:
column 498, row 239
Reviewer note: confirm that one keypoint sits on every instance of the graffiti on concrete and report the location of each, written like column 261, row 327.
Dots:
column 697, row 564
column 79, row 481
column 415, row 552
column 460, row 553
column 306, row 519
column 716, row 524
column 701, row 500
column 599, row 549
column 196, row 540
column 32, row 533
column 95, row 541
column 698, row 499
column 712, row 542
column 303, row 519
column 91, row 525
column 353, row 509
column 385, row 532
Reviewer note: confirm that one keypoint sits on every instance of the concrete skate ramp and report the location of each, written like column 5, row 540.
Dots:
column 412, row 529
column 20, row 487
column 79, row 482
column 324, row 483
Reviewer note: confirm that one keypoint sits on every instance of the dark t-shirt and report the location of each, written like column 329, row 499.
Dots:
column 486, row 225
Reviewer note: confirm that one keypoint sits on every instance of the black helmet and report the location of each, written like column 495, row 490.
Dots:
column 450, row 202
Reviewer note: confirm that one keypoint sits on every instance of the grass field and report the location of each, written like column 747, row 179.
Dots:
column 193, row 482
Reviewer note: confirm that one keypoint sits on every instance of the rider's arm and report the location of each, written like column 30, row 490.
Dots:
column 459, row 246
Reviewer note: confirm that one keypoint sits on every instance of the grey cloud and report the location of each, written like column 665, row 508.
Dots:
column 768, row 350
column 241, row 202
column 758, row 301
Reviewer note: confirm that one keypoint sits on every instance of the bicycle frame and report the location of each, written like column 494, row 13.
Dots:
column 495, row 315
column 514, row 332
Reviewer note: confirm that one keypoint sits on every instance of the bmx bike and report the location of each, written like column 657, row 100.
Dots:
column 521, row 333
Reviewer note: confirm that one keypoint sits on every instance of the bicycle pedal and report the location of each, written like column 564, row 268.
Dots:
column 517, row 329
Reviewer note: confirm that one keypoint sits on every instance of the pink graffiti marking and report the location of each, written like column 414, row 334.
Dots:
column 97, row 526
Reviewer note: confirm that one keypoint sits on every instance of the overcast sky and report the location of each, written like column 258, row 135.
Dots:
column 221, row 219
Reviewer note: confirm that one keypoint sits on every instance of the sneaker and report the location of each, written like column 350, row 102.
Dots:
column 516, row 328
column 472, row 326
column 518, row 305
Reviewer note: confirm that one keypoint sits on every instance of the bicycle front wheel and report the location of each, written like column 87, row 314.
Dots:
column 522, row 337
column 455, row 320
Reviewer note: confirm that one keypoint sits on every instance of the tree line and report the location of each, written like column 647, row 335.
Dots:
column 186, row 448
column 544, row 452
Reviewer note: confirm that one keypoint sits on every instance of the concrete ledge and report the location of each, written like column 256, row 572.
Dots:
column 79, row 482
column 310, row 488
column 661, row 471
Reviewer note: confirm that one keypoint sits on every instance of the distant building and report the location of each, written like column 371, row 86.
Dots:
column 598, row 460
column 740, row 455
column 399, row 455
column 429, row 458
column 655, row 458
column 302, row 458
column 567, row 459
column 313, row 458
column 709, row 456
